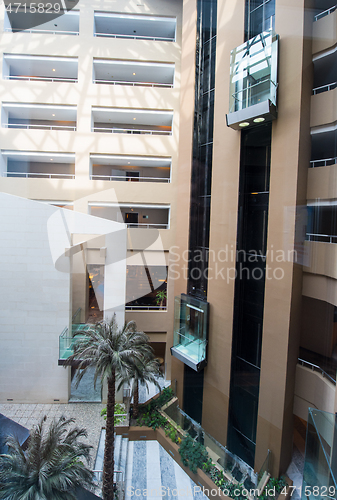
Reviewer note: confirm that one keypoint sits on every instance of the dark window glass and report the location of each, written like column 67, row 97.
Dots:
column 249, row 291
column 202, row 144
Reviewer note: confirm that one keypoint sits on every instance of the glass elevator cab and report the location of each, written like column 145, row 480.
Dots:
column 253, row 81
column 190, row 331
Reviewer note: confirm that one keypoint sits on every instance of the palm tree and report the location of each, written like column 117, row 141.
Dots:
column 145, row 370
column 111, row 350
column 50, row 468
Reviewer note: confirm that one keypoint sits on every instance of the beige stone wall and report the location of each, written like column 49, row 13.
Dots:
column 85, row 94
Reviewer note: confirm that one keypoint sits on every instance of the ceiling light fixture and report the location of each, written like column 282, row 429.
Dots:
column 134, row 74
column 134, row 118
column 53, row 114
column 54, row 69
column 243, row 124
column 260, row 119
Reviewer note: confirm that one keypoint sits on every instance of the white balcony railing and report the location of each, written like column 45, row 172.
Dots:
column 41, row 78
column 136, row 307
column 131, row 131
column 324, row 88
column 38, row 174
column 135, row 84
column 35, row 126
column 49, row 32
column 324, row 238
column 147, row 225
column 96, row 177
column 323, row 162
column 133, row 37
column 325, row 13
column 316, row 368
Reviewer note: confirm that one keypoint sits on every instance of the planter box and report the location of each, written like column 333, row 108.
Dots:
column 200, row 478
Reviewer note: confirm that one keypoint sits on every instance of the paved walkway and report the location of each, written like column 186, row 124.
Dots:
column 87, row 415
column 152, row 473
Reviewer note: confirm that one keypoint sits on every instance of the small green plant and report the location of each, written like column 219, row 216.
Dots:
column 160, row 297
column 119, row 410
column 192, row 453
column 206, row 466
column 218, row 478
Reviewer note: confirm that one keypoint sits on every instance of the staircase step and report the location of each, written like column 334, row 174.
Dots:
column 123, row 455
column 118, row 444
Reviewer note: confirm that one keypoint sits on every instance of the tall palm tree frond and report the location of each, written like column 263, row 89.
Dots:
column 50, row 468
column 111, row 351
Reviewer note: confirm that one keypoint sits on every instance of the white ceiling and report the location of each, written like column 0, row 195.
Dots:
column 20, row 65
column 40, row 111
column 135, row 25
column 108, row 69
column 126, row 116
column 65, row 22
column 33, row 156
column 135, row 161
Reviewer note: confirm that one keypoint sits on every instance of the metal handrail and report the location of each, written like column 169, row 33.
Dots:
column 133, row 37
column 135, row 84
column 126, row 178
column 30, row 174
column 145, row 308
column 147, row 225
column 323, row 160
column 60, row 32
column 316, row 368
column 131, row 131
column 325, row 13
column 317, row 235
column 42, row 126
column 324, row 88
column 41, row 78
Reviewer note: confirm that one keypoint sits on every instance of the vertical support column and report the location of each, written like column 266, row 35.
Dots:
column 289, row 165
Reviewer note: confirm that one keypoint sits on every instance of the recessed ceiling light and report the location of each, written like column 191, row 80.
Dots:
column 243, row 124
column 51, row 159
column 128, row 163
column 53, row 114
column 260, row 119
column 134, row 118
column 54, row 69
column 133, row 74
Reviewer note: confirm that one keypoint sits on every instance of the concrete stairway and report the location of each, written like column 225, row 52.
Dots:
column 120, row 455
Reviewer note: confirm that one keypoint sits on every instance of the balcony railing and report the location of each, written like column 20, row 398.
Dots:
column 49, row 32
column 36, row 126
column 135, row 84
column 131, row 131
column 323, row 162
column 147, row 225
column 134, row 37
column 135, row 307
column 232, row 466
column 41, row 78
column 325, row 13
column 316, row 368
column 37, row 175
column 324, row 88
column 67, row 342
column 325, row 238
column 95, row 177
